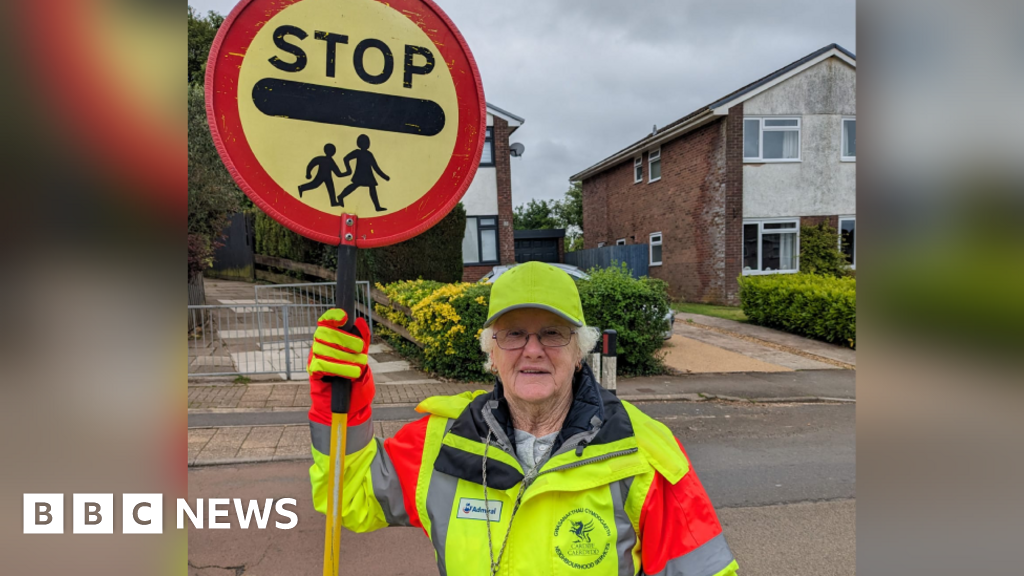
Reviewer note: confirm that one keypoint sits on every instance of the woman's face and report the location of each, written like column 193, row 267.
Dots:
column 535, row 373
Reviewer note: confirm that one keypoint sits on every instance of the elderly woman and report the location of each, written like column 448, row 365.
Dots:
column 546, row 474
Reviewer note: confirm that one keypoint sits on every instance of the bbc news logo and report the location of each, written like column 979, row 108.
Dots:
column 143, row 513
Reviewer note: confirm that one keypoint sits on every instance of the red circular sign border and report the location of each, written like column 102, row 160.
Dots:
column 374, row 231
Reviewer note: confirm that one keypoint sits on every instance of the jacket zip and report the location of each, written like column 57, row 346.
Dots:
column 590, row 460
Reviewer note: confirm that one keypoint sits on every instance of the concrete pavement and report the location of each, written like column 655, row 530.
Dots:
column 224, row 432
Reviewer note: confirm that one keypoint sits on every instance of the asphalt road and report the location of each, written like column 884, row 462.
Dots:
column 781, row 476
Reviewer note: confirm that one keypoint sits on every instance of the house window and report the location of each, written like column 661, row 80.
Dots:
column 848, row 239
column 771, row 246
column 638, row 170
column 600, row 244
column 771, row 139
column 620, row 242
column 655, row 248
column 654, row 159
column 849, row 140
column 487, row 158
column 480, row 244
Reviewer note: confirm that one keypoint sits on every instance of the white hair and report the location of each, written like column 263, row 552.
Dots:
column 585, row 340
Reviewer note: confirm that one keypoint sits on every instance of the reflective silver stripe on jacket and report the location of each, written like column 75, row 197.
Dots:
column 624, row 528
column 440, row 499
column 320, row 434
column 358, row 437
column 709, row 559
column 386, row 487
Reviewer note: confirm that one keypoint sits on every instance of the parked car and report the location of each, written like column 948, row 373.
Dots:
column 576, row 273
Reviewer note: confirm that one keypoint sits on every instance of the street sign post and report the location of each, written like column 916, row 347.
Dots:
column 358, row 124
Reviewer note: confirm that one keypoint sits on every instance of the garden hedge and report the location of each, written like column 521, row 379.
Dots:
column 635, row 309
column 821, row 307
column 384, row 265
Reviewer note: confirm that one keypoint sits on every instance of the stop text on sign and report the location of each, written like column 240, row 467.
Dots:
column 331, row 40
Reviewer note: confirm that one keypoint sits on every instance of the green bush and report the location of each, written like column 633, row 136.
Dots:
column 635, row 309
column 820, row 307
column 820, row 253
column 431, row 255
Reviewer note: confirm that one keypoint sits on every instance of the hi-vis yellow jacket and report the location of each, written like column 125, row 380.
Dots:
column 617, row 496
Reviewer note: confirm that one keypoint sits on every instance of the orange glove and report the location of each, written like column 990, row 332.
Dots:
column 339, row 353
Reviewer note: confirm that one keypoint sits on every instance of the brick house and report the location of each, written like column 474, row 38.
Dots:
column 724, row 190
column 489, row 238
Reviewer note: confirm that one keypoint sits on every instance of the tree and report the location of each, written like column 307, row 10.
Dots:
column 535, row 215
column 212, row 195
column 544, row 214
column 569, row 213
column 201, row 32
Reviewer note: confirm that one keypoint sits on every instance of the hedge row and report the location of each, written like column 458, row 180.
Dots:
column 432, row 254
column 820, row 307
column 448, row 319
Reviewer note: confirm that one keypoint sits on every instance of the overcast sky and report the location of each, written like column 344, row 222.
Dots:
column 593, row 76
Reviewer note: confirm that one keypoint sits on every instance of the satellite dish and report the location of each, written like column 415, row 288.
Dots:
column 517, row 149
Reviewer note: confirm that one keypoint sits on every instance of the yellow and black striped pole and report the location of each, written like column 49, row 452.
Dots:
column 341, row 395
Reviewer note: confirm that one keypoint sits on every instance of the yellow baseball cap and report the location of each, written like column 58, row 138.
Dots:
column 536, row 285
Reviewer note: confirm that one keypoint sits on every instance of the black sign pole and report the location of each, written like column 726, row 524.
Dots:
column 341, row 394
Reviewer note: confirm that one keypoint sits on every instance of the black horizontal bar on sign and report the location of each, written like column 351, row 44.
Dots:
column 347, row 107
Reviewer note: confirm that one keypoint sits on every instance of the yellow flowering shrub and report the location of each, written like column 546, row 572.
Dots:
column 447, row 319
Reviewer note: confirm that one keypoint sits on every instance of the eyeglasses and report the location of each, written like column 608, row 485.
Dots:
column 515, row 338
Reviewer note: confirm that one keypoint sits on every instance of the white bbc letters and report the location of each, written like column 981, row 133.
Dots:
column 218, row 513
column 92, row 513
column 44, row 514
column 293, row 519
column 142, row 514
column 197, row 518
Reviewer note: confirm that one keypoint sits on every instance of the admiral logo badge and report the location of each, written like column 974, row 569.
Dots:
column 473, row 509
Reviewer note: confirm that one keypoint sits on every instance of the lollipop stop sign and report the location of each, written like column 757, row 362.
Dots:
column 322, row 108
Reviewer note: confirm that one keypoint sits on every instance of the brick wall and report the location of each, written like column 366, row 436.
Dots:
column 474, row 273
column 502, row 164
column 733, row 204
column 688, row 206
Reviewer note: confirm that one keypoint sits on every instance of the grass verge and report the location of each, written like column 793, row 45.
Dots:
column 726, row 312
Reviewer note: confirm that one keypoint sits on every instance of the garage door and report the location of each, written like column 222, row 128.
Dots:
column 542, row 250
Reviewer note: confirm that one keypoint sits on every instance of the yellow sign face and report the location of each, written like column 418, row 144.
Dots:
column 348, row 106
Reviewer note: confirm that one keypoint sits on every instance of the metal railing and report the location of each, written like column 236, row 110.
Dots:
column 314, row 293
column 270, row 335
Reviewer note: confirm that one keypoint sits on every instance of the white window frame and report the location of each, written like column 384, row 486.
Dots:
column 760, row 138
column 760, row 253
column 652, row 157
column 480, row 242
column 620, row 242
column 842, row 141
column 841, row 220
column 651, row 243
column 638, row 162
